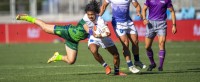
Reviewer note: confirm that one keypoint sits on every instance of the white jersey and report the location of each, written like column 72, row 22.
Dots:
column 103, row 42
column 99, row 21
column 120, row 9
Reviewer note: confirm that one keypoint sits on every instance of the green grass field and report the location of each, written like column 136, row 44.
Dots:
column 27, row 63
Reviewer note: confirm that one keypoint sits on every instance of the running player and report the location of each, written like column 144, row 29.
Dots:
column 125, row 29
column 94, row 21
column 157, row 25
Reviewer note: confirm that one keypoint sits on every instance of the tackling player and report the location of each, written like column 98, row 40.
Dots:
column 72, row 35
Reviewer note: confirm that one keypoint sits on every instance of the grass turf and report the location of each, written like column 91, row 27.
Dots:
column 27, row 63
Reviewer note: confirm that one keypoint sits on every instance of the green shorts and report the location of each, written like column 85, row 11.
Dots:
column 62, row 31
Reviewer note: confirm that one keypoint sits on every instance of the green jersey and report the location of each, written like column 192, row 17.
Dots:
column 72, row 34
column 77, row 32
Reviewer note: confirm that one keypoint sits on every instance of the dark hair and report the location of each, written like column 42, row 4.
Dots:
column 93, row 6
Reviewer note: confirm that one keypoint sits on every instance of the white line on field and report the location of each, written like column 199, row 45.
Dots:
column 2, row 78
column 36, row 67
column 67, row 73
column 183, row 61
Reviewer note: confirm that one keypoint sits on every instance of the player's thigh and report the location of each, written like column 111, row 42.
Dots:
column 46, row 27
column 132, row 33
column 93, row 48
column 49, row 28
column 71, row 53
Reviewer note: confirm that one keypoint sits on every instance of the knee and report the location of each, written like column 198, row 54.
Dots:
column 116, row 56
column 126, row 52
column 125, row 42
column 135, row 45
column 71, row 62
column 161, row 44
column 148, row 48
column 135, row 42
column 94, row 51
column 125, row 47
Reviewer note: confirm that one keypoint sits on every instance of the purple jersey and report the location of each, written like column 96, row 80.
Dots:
column 157, row 9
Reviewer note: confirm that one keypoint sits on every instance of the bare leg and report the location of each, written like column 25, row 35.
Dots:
column 46, row 27
column 94, row 50
column 71, row 55
column 162, row 52
column 135, row 48
column 149, row 51
column 125, row 43
column 116, row 60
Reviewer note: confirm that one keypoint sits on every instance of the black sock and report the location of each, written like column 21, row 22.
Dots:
column 136, row 57
column 116, row 69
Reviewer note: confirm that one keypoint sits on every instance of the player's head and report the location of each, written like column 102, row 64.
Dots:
column 92, row 9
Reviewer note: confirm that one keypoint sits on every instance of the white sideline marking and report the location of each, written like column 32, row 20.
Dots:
column 183, row 61
column 2, row 78
column 36, row 67
column 66, row 73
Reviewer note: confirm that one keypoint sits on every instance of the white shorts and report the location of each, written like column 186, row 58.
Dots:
column 124, row 28
column 103, row 42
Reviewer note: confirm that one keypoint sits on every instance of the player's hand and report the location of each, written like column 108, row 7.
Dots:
column 108, row 34
column 139, row 14
column 97, row 35
column 174, row 30
column 145, row 21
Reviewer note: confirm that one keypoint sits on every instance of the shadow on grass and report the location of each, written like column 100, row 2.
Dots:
column 195, row 70
column 90, row 74
column 198, row 69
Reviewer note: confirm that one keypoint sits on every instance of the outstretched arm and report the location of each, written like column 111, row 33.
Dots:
column 103, row 7
column 46, row 27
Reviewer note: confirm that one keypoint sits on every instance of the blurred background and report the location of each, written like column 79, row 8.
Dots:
column 70, row 11
column 73, row 10
column 25, row 47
